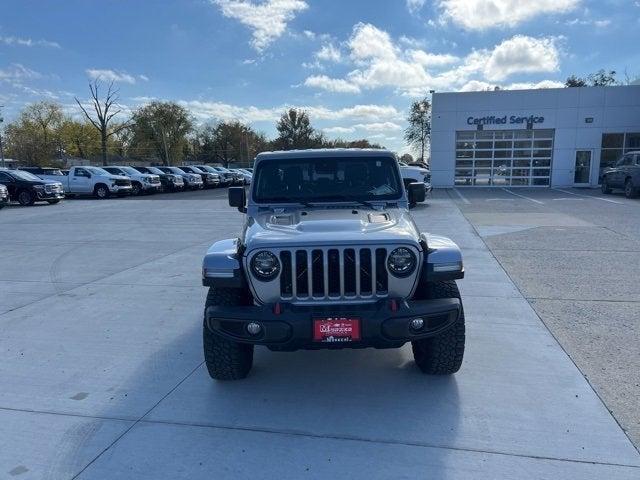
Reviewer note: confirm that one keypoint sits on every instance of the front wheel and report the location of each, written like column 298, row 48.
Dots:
column 442, row 354
column 225, row 359
column 629, row 189
column 136, row 189
column 26, row 198
column 606, row 189
column 101, row 191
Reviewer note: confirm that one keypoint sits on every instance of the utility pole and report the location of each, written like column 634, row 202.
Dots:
column 1, row 149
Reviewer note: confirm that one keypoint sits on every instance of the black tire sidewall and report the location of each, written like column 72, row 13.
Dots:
column 28, row 200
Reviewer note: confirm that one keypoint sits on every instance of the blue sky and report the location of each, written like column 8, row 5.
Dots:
column 355, row 65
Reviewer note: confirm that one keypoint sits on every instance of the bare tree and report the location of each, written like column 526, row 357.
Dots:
column 105, row 110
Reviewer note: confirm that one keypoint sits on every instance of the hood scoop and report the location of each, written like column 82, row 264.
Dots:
column 379, row 217
column 281, row 219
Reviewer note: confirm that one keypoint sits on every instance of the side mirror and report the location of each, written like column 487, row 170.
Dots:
column 416, row 193
column 238, row 198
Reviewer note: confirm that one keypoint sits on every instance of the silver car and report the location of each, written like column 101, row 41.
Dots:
column 330, row 257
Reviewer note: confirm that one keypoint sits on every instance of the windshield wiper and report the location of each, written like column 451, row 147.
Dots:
column 347, row 198
column 304, row 203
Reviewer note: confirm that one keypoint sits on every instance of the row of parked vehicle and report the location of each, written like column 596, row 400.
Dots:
column 28, row 185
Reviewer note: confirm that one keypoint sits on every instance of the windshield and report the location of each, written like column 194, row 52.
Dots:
column 21, row 174
column 327, row 179
column 130, row 171
column 97, row 170
column 176, row 170
column 52, row 171
column 155, row 170
column 207, row 168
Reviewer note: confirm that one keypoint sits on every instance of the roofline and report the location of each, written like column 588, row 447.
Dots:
column 326, row 153
column 504, row 91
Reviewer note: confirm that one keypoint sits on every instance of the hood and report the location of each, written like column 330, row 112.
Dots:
column 116, row 177
column 330, row 226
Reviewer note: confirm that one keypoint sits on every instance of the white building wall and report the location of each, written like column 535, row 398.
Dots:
column 613, row 110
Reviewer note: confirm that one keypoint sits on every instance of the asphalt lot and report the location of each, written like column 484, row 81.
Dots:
column 101, row 372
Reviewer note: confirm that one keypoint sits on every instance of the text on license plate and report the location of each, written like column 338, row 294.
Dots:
column 336, row 329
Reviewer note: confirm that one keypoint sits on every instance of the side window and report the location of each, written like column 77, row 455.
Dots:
column 81, row 172
column 5, row 178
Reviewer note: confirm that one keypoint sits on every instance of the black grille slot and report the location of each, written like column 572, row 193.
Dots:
column 317, row 273
column 382, row 279
column 302, row 274
column 365, row 272
column 286, row 283
column 333, row 266
column 349, row 272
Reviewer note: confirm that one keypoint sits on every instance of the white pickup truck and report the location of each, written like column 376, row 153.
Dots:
column 140, row 182
column 87, row 180
column 412, row 174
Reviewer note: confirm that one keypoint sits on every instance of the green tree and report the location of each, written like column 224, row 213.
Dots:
column 104, row 112
column 418, row 133
column 160, row 129
column 295, row 131
column 33, row 137
column 228, row 142
column 574, row 81
column 79, row 139
column 601, row 78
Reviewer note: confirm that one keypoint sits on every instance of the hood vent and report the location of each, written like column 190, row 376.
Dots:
column 378, row 217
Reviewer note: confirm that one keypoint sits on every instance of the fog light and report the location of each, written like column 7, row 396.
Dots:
column 417, row 324
column 254, row 328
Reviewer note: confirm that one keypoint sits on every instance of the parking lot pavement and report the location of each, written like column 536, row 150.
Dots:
column 575, row 256
column 101, row 365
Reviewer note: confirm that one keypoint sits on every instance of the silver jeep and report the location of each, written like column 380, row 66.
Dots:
column 330, row 257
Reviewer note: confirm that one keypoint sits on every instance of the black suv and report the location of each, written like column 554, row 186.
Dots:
column 169, row 181
column 625, row 175
column 27, row 189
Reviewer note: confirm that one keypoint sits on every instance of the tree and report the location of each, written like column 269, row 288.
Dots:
column 602, row 78
column 79, row 139
column 33, row 137
column 160, row 129
column 574, row 81
column 418, row 133
column 105, row 111
column 228, row 142
column 406, row 158
column 295, row 131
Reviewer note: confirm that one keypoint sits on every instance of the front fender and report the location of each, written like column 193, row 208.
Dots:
column 443, row 259
column 221, row 266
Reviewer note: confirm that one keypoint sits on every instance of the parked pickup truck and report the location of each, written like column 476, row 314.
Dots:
column 411, row 174
column 88, row 180
column 140, row 182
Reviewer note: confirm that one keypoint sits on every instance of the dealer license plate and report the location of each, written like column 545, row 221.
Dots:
column 336, row 329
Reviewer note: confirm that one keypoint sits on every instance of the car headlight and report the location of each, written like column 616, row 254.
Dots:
column 401, row 262
column 265, row 266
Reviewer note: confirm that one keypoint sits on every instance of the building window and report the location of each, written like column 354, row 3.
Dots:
column 614, row 145
column 504, row 157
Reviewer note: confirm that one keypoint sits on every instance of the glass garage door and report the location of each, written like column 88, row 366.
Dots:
column 504, row 158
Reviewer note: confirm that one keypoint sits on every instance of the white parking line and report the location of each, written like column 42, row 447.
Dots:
column 462, row 197
column 589, row 196
column 522, row 196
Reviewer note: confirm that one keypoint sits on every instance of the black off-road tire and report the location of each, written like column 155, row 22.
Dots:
column 630, row 190
column 606, row 189
column 226, row 359
column 443, row 353
column 26, row 198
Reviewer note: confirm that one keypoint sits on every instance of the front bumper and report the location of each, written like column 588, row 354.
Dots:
column 292, row 328
column 44, row 195
column 121, row 189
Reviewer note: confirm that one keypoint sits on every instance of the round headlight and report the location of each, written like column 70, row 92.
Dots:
column 401, row 262
column 265, row 265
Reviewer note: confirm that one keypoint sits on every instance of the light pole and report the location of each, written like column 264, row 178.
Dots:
column 1, row 149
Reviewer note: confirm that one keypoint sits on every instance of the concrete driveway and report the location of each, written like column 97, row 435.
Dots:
column 101, row 373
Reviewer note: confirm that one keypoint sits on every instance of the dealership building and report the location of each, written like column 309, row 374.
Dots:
column 544, row 137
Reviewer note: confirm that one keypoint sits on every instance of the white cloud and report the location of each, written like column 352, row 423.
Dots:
column 415, row 6
column 331, row 84
column 379, row 62
column 204, row 111
column 28, row 42
column 478, row 86
column 17, row 71
column 339, row 130
column 432, row 59
column 144, row 78
column 522, row 54
column 329, row 53
column 378, row 126
column 110, row 76
column 483, row 14
column 268, row 20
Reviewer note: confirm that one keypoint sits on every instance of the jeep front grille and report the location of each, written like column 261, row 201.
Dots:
column 329, row 273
